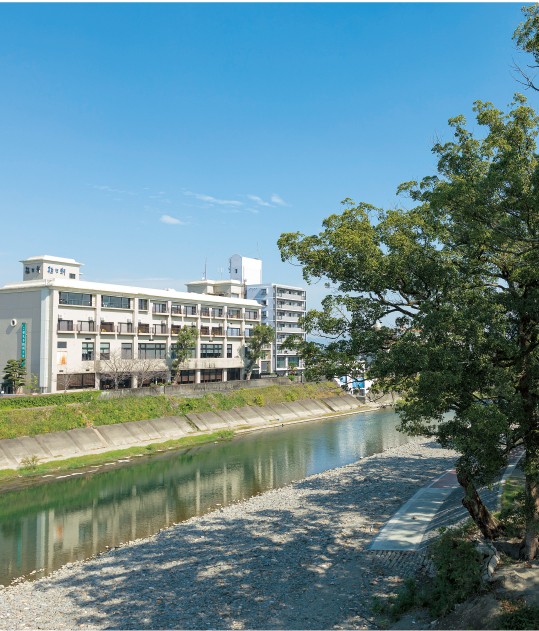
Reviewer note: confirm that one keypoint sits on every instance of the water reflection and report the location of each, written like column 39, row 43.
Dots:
column 44, row 527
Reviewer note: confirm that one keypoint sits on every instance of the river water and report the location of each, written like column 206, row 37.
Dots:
column 44, row 526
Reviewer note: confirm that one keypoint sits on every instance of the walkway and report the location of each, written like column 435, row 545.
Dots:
column 437, row 504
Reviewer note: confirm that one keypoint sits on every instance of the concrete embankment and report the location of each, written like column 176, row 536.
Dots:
column 94, row 440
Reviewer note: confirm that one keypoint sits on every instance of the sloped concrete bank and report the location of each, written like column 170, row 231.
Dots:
column 94, row 440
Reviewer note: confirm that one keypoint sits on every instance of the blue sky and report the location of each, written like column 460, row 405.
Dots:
column 142, row 139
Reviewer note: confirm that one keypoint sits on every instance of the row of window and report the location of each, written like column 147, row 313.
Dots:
column 120, row 302
column 141, row 329
column 87, row 379
column 147, row 351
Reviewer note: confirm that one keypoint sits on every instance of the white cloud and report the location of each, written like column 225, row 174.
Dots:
column 172, row 220
column 258, row 200
column 208, row 198
column 253, row 210
column 229, row 210
column 113, row 190
column 277, row 200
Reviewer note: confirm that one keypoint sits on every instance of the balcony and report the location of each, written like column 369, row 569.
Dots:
column 190, row 311
column 205, row 312
column 217, row 313
column 158, row 307
column 252, row 315
column 86, row 327
column 125, row 327
column 160, row 329
column 234, row 314
column 176, row 310
column 217, row 330
column 107, row 327
column 65, row 325
column 143, row 329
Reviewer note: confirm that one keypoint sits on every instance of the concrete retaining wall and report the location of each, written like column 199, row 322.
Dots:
column 194, row 390
column 86, row 440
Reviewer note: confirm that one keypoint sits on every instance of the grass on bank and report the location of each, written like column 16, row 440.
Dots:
column 77, row 462
column 18, row 402
column 95, row 412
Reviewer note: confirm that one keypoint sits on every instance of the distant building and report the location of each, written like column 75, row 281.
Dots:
column 247, row 271
column 64, row 326
column 282, row 306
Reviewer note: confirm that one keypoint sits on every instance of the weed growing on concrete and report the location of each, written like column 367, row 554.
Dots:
column 29, row 463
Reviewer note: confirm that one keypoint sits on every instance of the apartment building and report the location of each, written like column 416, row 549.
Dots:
column 282, row 306
column 64, row 326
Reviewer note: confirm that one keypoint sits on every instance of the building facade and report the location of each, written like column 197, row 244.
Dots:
column 66, row 328
column 282, row 306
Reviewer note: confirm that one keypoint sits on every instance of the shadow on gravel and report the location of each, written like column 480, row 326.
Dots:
column 301, row 565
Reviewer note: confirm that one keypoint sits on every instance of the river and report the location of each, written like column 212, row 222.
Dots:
column 45, row 526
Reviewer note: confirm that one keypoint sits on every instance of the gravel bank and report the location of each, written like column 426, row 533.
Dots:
column 291, row 558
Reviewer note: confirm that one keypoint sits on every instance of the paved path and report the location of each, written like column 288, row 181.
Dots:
column 437, row 504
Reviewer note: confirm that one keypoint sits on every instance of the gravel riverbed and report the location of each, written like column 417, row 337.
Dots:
column 291, row 558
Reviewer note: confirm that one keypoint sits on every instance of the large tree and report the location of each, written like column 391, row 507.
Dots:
column 459, row 272
column 183, row 349
column 15, row 374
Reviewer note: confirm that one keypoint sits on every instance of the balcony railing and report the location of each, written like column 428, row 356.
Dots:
column 205, row 312
column 86, row 327
column 106, row 327
column 65, row 325
column 250, row 315
column 234, row 314
column 125, row 327
column 159, row 308
column 204, row 330
column 176, row 309
column 160, row 329
column 217, row 330
column 190, row 311
column 143, row 329
column 217, row 313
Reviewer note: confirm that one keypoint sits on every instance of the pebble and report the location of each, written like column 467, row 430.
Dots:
column 290, row 558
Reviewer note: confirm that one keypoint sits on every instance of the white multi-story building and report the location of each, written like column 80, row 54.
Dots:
column 63, row 325
column 282, row 306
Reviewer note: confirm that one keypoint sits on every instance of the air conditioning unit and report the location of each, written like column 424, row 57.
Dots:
column 90, row 318
column 102, row 319
column 128, row 320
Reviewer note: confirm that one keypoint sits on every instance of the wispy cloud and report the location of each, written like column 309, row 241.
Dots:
column 172, row 220
column 277, row 200
column 214, row 200
column 113, row 190
column 259, row 201
column 253, row 210
column 229, row 210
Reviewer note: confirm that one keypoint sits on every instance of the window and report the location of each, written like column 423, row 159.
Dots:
column 190, row 310
column 65, row 325
column 229, row 350
column 192, row 352
column 251, row 315
column 281, row 362
column 75, row 381
column 263, row 292
column 231, row 331
column 62, row 344
column 211, row 350
column 143, row 304
column 264, row 314
column 233, row 374
column 248, row 332
column 87, row 351
column 87, row 327
column 205, row 311
column 176, row 309
column 159, row 307
column 152, row 351
column 127, row 350
column 104, row 350
column 211, row 375
column 186, row 376
column 72, row 276
column 216, row 313
column 115, row 302
column 69, row 298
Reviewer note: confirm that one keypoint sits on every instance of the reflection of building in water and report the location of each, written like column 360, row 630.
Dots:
column 137, row 501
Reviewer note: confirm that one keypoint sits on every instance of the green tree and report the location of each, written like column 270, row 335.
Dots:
column 15, row 374
column 33, row 383
column 526, row 38
column 262, row 336
column 459, row 274
column 183, row 350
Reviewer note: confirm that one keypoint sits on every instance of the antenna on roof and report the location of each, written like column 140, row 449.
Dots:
column 205, row 269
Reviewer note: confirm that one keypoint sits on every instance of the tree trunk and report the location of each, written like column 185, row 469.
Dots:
column 489, row 526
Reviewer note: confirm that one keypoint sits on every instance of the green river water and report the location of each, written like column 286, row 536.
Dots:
column 44, row 526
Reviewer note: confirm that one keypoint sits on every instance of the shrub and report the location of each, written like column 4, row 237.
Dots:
column 259, row 400
column 16, row 403
column 29, row 463
column 518, row 615
column 395, row 606
column 291, row 377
